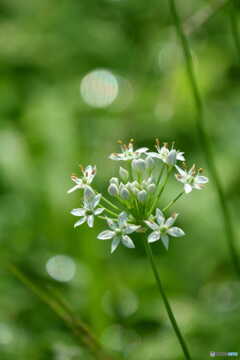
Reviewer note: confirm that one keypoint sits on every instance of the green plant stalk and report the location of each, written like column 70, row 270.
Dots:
column 204, row 138
column 110, row 203
column 233, row 12
column 173, row 201
column 80, row 330
column 166, row 302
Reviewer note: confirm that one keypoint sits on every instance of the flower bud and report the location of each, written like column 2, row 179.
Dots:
column 142, row 195
column 124, row 193
column 149, row 162
column 172, row 157
column 123, row 173
column 113, row 190
column 151, row 188
column 114, row 180
column 138, row 165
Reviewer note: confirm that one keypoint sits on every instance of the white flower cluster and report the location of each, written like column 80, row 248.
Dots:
column 136, row 194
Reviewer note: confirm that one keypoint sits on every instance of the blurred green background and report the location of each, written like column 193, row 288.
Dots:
column 76, row 76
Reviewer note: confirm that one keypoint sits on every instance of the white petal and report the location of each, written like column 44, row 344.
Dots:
column 127, row 241
column 155, row 155
column 116, row 157
column 141, row 150
column 90, row 220
column 152, row 225
column 122, row 218
column 172, row 156
column 181, row 171
column 165, row 240
column 80, row 221
column 180, row 156
column 78, row 212
column 170, row 221
column 159, row 213
column 115, row 243
column 88, row 193
column 106, row 235
column 76, row 187
column 187, row 188
column 175, row 231
column 154, row 236
column 98, row 211
column 201, row 179
column 96, row 200
column 131, row 228
column 112, row 224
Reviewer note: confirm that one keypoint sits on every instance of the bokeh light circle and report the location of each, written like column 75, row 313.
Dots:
column 99, row 88
column 61, row 268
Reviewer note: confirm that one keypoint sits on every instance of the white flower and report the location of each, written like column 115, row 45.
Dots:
column 88, row 175
column 119, row 232
column 163, row 228
column 190, row 179
column 169, row 157
column 128, row 153
column 88, row 211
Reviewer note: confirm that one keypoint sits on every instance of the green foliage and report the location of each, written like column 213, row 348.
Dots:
column 47, row 129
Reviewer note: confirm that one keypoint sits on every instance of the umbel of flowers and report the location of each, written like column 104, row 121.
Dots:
column 135, row 194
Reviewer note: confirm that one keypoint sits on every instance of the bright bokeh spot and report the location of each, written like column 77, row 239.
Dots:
column 99, row 88
column 61, row 268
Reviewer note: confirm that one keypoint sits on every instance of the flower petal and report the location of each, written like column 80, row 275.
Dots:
column 171, row 220
column 187, row 188
column 165, row 240
column 88, row 193
column 90, row 220
column 154, row 236
column 181, row 171
column 130, row 228
column 78, row 212
column 201, row 179
column 115, row 243
column 96, row 200
column 180, row 156
column 98, row 211
column 76, row 187
column 141, row 150
column 80, row 221
column 151, row 224
column 175, row 231
column 106, row 235
column 112, row 224
column 122, row 218
column 127, row 241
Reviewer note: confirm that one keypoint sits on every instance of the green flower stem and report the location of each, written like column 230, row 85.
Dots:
column 160, row 190
column 79, row 329
column 204, row 138
column 234, row 25
column 173, row 201
column 110, row 212
column 166, row 302
column 109, row 203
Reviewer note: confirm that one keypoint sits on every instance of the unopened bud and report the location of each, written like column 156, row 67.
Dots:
column 123, row 173
column 142, row 195
column 151, row 188
column 113, row 190
column 114, row 180
column 138, row 165
column 149, row 162
column 124, row 193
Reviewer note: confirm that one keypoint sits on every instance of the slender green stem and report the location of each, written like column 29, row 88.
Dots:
column 233, row 12
column 160, row 191
column 78, row 328
column 173, row 201
column 204, row 138
column 166, row 302
column 110, row 212
column 109, row 203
